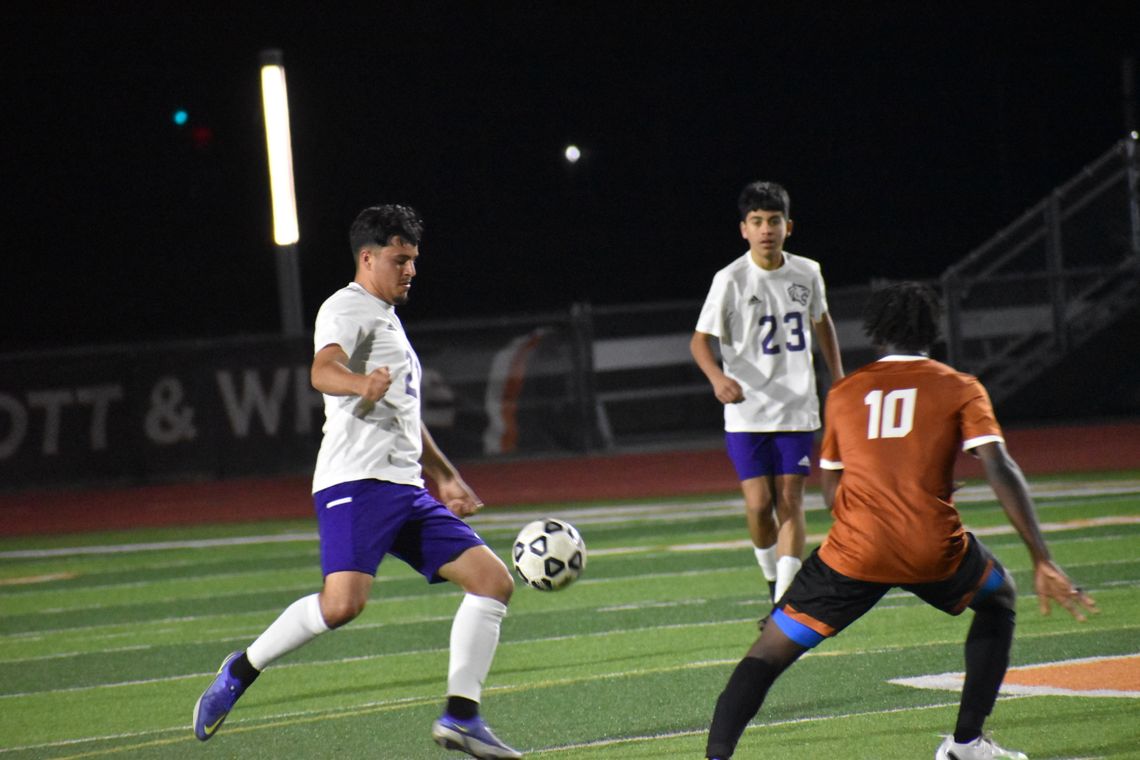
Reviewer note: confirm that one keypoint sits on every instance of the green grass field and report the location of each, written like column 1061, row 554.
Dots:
column 106, row 641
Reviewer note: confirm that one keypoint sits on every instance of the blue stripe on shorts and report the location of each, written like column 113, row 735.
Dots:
column 796, row 631
column 993, row 582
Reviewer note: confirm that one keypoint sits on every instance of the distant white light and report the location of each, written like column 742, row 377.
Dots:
column 275, row 102
column 572, row 153
column 1135, row 135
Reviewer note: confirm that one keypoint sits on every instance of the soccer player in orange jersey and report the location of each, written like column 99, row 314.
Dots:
column 892, row 431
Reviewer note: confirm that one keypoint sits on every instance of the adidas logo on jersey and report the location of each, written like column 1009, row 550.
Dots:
column 754, row 301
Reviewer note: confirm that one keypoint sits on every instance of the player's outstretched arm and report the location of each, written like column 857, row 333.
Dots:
column 1049, row 580
column 454, row 492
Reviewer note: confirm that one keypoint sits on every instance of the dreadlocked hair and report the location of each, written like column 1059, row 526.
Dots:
column 904, row 315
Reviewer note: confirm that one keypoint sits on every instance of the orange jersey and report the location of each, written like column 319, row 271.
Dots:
column 894, row 427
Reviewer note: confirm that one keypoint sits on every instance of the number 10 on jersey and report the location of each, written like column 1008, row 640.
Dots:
column 891, row 414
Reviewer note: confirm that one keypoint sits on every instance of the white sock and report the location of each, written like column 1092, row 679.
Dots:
column 786, row 569
column 767, row 561
column 474, row 638
column 300, row 623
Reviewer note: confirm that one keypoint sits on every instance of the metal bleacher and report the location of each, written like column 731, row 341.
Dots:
column 1064, row 271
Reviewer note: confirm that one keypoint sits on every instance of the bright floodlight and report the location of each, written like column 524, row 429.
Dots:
column 573, row 154
column 275, row 102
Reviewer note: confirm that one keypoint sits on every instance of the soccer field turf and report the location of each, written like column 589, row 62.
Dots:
column 106, row 641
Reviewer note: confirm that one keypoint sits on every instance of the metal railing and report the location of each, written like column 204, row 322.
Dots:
column 1059, row 274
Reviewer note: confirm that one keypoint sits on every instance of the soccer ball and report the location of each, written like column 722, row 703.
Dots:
column 549, row 554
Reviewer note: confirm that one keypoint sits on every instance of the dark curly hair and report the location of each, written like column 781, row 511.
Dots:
column 905, row 315
column 763, row 196
column 377, row 225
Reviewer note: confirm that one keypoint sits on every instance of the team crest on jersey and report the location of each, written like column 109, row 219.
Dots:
column 799, row 294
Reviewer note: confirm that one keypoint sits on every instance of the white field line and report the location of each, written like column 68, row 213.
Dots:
column 666, row 511
column 761, row 726
column 204, row 543
column 566, row 637
column 662, row 549
column 91, row 630
column 387, row 705
column 382, row 705
column 982, row 494
column 294, row 717
column 751, row 727
column 995, row 530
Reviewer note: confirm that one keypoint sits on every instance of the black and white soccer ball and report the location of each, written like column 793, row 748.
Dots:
column 549, row 554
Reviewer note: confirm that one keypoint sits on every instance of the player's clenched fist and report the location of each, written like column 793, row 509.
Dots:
column 728, row 391
column 376, row 384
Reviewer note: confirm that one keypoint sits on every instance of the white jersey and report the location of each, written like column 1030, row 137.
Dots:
column 361, row 439
column 764, row 322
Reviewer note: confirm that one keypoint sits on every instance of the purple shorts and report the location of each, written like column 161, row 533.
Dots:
column 362, row 520
column 756, row 455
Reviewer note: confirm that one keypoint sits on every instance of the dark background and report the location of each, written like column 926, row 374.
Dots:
column 907, row 135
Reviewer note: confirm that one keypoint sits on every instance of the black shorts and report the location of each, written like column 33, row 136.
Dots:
column 821, row 602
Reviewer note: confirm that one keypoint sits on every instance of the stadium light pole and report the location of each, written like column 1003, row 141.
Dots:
column 286, row 231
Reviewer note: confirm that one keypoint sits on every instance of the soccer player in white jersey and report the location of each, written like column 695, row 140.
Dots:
column 369, row 495
column 762, row 311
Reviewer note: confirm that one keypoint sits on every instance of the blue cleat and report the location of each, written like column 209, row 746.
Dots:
column 217, row 701
column 471, row 736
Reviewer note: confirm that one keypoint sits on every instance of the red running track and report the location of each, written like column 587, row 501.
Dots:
column 662, row 474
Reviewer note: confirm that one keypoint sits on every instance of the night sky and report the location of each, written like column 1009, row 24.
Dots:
column 905, row 135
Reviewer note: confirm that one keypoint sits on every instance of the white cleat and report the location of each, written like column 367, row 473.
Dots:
column 982, row 748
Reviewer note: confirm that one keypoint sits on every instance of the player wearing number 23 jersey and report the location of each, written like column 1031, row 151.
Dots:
column 762, row 312
column 894, row 427
column 764, row 322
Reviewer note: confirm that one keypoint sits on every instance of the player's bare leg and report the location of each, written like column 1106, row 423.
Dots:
column 790, row 515
column 791, row 532
column 343, row 596
column 759, row 512
column 764, row 530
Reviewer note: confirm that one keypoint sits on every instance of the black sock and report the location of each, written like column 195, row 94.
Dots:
column 772, row 591
column 969, row 726
column 738, row 704
column 462, row 708
column 242, row 670
column 987, row 658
